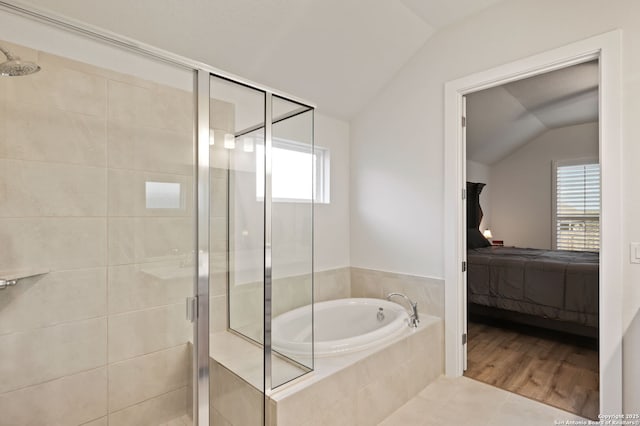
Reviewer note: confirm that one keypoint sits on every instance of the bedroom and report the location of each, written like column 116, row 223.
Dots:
column 533, row 189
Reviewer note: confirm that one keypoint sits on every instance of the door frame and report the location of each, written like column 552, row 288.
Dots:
column 607, row 49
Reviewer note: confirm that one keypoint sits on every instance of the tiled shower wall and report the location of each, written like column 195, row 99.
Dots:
column 103, row 335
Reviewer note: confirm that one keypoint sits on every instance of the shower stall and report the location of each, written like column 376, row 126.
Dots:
column 156, row 215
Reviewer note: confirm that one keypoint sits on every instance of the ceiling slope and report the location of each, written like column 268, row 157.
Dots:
column 504, row 118
column 336, row 53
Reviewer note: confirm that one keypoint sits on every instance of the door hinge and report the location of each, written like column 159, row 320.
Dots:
column 192, row 308
column 464, row 266
column 464, row 121
column 464, row 339
column 464, row 193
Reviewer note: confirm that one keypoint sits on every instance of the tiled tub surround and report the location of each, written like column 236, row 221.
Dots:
column 236, row 364
column 103, row 336
column 233, row 401
column 428, row 292
column 364, row 387
column 288, row 293
column 361, row 388
column 357, row 389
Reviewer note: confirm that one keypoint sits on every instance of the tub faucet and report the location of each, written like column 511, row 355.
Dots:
column 413, row 318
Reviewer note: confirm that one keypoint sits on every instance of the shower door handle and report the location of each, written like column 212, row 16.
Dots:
column 192, row 308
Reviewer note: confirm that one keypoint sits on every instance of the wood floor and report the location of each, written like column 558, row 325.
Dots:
column 556, row 369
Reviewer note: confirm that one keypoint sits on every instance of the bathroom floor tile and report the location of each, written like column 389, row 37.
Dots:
column 463, row 401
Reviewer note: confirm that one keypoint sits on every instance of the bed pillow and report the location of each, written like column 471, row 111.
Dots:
column 475, row 239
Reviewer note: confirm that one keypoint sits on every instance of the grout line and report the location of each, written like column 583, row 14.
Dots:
column 150, row 308
column 96, row 317
column 109, row 216
column 90, row 268
column 149, row 399
column 75, row 373
column 107, row 245
column 106, row 416
column 104, row 167
column 56, row 163
column 25, row 102
column 155, row 352
column 52, row 325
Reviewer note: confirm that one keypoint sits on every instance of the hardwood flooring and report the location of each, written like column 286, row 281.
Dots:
column 553, row 368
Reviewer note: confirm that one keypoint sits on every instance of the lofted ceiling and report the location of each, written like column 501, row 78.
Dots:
column 335, row 53
column 504, row 118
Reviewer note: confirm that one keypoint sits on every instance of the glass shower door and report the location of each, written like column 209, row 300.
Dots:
column 96, row 231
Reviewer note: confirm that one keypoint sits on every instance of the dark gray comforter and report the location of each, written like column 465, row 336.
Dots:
column 559, row 285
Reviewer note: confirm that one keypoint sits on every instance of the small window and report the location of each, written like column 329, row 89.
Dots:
column 298, row 175
column 577, row 206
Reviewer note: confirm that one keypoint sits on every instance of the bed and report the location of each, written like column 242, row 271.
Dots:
column 544, row 288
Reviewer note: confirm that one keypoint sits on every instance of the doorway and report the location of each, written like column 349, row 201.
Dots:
column 533, row 240
column 605, row 48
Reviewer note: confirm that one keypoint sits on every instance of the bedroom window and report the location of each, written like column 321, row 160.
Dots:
column 576, row 206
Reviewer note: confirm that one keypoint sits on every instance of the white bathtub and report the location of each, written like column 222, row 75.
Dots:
column 341, row 326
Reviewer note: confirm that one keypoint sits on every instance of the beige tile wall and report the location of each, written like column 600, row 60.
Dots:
column 292, row 292
column 103, row 336
column 332, row 284
column 428, row 292
column 288, row 293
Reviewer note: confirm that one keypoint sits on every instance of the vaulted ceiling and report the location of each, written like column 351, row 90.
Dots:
column 505, row 118
column 335, row 53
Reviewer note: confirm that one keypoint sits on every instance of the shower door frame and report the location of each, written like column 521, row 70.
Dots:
column 202, row 73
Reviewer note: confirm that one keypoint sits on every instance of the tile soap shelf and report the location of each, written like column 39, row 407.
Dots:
column 11, row 278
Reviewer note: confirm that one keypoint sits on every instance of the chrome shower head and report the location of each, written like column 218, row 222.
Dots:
column 17, row 68
column 14, row 67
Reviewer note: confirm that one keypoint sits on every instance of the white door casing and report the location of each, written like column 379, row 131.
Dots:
column 463, row 171
column 607, row 49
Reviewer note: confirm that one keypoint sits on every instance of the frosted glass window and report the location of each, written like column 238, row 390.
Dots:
column 163, row 195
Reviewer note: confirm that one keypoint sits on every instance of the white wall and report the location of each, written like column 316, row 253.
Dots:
column 331, row 221
column 397, row 142
column 521, row 195
column 480, row 173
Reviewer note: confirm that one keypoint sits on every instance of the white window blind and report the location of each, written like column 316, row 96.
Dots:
column 577, row 207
